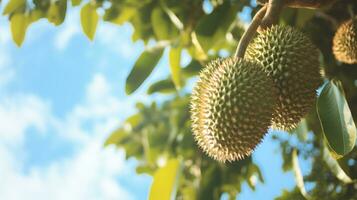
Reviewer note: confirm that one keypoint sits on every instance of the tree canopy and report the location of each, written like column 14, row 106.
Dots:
column 159, row 134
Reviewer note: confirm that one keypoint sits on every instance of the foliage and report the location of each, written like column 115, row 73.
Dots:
column 160, row 134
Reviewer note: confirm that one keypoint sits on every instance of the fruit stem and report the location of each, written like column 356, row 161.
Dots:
column 272, row 14
column 250, row 32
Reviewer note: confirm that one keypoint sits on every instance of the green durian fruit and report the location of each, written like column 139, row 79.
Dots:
column 345, row 42
column 292, row 61
column 231, row 108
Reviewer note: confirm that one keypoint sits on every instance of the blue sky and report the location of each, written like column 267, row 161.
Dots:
column 60, row 97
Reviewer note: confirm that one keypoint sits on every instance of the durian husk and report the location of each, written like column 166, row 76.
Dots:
column 231, row 108
column 345, row 42
column 292, row 61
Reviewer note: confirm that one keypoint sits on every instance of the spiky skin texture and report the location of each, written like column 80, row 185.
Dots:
column 290, row 58
column 345, row 42
column 231, row 108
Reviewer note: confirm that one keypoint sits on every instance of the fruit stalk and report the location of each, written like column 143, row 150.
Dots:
column 250, row 32
column 272, row 14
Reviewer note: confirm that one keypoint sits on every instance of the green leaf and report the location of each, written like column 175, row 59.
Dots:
column 175, row 58
column 336, row 119
column 115, row 137
column 298, row 175
column 13, row 5
column 119, row 16
column 134, row 120
column 18, row 24
column 162, row 26
column 76, row 2
column 163, row 86
column 57, row 12
column 143, row 68
column 89, row 20
column 211, row 29
column 165, row 181
column 192, row 69
column 335, row 167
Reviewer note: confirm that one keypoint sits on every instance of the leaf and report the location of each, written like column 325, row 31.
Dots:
column 162, row 26
column 76, row 2
column 175, row 58
column 163, row 86
column 211, row 29
column 335, row 167
column 165, row 181
column 13, row 5
column 119, row 16
column 298, row 175
column 115, row 137
column 192, row 69
column 18, row 24
column 336, row 119
column 143, row 68
column 89, row 20
column 57, row 12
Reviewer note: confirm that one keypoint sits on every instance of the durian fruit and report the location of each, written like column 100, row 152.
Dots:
column 345, row 42
column 231, row 108
column 290, row 58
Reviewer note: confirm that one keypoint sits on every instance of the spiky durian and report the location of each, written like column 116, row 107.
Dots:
column 345, row 42
column 231, row 108
column 290, row 58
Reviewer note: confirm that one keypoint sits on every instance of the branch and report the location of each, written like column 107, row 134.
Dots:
column 250, row 32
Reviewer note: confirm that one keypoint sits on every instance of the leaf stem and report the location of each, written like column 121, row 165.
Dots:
column 250, row 32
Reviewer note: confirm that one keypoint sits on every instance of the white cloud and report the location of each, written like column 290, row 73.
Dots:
column 18, row 113
column 90, row 173
column 71, row 27
column 6, row 73
column 116, row 38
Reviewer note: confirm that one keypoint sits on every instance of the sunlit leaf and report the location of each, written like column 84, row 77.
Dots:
column 163, row 86
column 36, row 15
column 212, row 28
column 192, row 69
column 134, row 120
column 162, row 25
column 119, row 16
column 143, row 68
column 335, row 167
column 115, row 137
column 175, row 58
column 336, row 119
column 18, row 24
column 165, row 181
column 298, row 175
column 57, row 12
column 13, row 5
column 89, row 20
column 76, row 2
